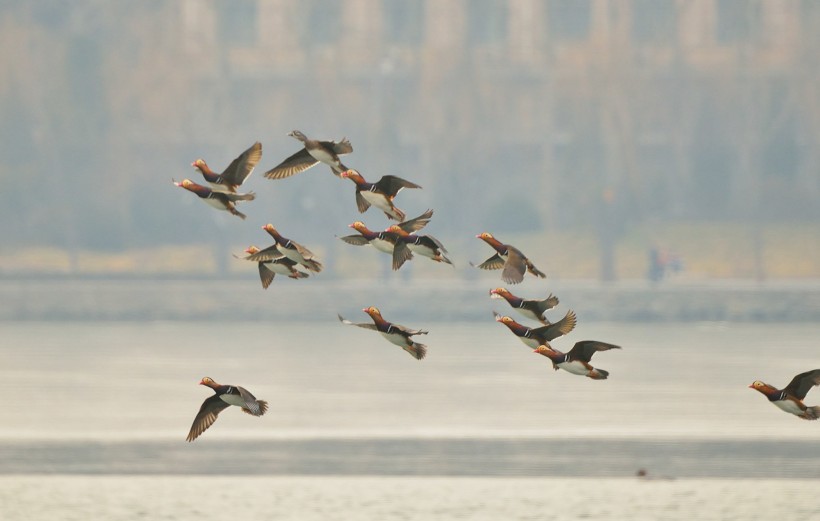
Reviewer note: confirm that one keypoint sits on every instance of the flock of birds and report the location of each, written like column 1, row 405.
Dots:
column 289, row 258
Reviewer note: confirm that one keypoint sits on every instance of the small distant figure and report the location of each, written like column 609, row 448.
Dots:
column 644, row 474
column 661, row 263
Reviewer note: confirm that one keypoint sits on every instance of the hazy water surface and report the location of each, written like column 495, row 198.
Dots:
column 97, row 412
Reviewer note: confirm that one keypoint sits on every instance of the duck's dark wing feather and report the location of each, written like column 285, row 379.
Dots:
column 493, row 263
column 391, row 185
column 340, row 148
column 356, row 240
column 560, row 328
column 401, row 254
column 802, row 383
column 546, row 304
column 584, row 349
column 298, row 162
column 241, row 167
column 514, row 268
column 416, row 223
column 206, row 416
column 269, row 253
column 361, row 202
column 349, row 323
column 266, row 275
column 407, row 331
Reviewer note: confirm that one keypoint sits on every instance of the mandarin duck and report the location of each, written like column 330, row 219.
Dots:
column 225, row 396
column 508, row 258
column 386, row 242
column 219, row 200
column 790, row 398
column 425, row 245
column 270, row 267
column 314, row 151
column 531, row 308
column 410, row 225
column 576, row 360
column 379, row 194
column 292, row 250
column 534, row 337
column 396, row 334
column 236, row 173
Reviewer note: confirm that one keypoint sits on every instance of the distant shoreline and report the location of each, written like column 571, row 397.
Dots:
column 90, row 298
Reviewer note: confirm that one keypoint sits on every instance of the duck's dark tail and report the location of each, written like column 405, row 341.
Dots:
column 313, row 265
column 418, row 351
column 812, row 413
column 262, row 408
column 598, row 374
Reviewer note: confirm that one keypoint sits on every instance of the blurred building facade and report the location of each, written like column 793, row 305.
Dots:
column 572, row 112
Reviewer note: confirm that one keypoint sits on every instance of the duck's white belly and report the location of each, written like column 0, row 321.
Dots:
column 321, row 155
column 233, row 399
column 377, row 200
column 527, row 313
column 529, row 342
column 574, row 368
column 383, row 245
column 215, row 203
column 421, row 250
column 280, row 268
column 789, row 406
column 394, row 338
column 292, row 254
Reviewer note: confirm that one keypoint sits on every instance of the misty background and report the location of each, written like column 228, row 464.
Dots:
column 587, row 132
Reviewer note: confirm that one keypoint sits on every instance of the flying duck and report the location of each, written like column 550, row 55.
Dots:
column 410, row 225
column 395, row 333
column 219, row 200
column 226, row 395
column 425, row 245
column 314, row 151
column 270, row 267
column 236, row 173
column 790, row 398
column 292, row 250
column 386, row 242
column 510, row 258
column 534, row 337
column 380, row 194
column 576, row 361
column 531, row 308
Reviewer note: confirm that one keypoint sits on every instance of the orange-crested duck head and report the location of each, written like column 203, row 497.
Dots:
column 191, row 186
column 359, row 226
column 271, row 230
column 500, row 293
column 545, row 350
column 488, row 238
column 353, row 175
column 762, row 387
column 251, row 250
column 373, row 311
column 201, row 165
column 397, row 230
column 505, row 320
column 209, row 382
